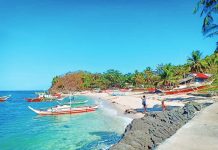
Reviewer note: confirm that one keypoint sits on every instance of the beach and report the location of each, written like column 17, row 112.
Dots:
column 163, row 126
column 132, row 102
column 118, row 123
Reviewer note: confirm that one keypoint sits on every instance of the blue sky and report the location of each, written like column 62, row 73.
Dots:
column 43, row 38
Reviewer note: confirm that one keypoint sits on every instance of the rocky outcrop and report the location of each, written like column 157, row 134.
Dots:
column 67, row 83
column 147, row 132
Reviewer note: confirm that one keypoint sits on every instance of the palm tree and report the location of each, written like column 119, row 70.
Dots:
column 139, row 79
column 209, row 8
column 148, row 75
column 212, row 63
column 195, row 61
column 167, row 75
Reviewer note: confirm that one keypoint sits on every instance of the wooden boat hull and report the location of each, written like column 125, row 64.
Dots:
column 4, row 98
column 185, row 90
column 65, row 111
column 77, row 102
column 34, row 99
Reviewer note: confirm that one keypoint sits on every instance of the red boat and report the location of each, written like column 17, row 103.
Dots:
column 4, row 98
column 184, row 90
column 38, row 99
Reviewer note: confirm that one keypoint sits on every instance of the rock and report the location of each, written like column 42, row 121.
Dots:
column 147, row 132
column 130, row 111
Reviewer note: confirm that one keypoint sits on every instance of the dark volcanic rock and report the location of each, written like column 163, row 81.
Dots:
column 147, row 132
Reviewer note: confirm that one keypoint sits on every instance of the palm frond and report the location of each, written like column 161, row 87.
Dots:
column 207, row 6
column 210, row 29
column 212, row 34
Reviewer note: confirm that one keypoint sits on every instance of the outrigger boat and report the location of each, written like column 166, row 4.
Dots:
column 42, row 98
column 184, row 90
column 4, row 98
column 64, row 109
column 196, row 81
column 38, row 99
column 76, row 102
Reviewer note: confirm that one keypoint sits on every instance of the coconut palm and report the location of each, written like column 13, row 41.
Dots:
column 148, row 75
column 167, row 75
column 212, row 63
column 209, row 9
column 139, row 79
column 195, row 62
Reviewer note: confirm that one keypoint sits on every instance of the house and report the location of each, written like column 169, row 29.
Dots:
column 195, row 78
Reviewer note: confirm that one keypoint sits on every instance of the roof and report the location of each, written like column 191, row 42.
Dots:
column 186, row 79
column 201, row 76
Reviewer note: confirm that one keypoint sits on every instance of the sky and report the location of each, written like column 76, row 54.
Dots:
column 40, row 39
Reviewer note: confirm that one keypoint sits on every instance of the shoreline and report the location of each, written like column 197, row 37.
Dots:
column 117, row 107
column 132, row 101
column 155, row 128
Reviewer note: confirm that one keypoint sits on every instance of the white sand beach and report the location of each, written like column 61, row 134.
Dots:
column 132, row 100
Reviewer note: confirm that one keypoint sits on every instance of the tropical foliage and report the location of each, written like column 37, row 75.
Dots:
column 208, row 10
column 164, row 76
column 195, row 61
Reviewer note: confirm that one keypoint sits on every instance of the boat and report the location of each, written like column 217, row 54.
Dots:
column 184, row 90
column 77, row 102
column 49, row 97
column 192, row 82
column 38, row 99
column 44, row 98
column 4, row 98
column 64, row 109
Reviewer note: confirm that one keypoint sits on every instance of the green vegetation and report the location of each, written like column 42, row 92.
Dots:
column 54, row 80
column 195, row 61
column 208, row 9
column 164, row 76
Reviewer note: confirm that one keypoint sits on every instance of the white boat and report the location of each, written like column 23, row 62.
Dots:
column 76, row 102
column 4, row 98
column 64, row 109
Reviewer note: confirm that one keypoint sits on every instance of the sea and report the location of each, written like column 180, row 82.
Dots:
column 22, row 129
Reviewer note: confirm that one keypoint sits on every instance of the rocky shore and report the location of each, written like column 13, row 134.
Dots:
column 148, row 132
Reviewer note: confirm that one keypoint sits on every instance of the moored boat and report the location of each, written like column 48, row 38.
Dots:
column 49, row 97
column 76, row 102
column 64, row 109
column 38, row 99
column 4, row 98
column 192, row 82
column 184, row 90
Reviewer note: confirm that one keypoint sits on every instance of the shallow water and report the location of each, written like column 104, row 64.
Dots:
column 20, row 128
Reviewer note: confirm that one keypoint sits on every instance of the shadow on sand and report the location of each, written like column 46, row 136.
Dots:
column 156, row 108
column 184, row 99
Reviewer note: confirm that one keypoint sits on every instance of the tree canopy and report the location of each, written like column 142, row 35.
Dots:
column 164, row 75
column 208, row 11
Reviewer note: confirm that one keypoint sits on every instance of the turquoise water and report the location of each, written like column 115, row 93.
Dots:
column 22, row 129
